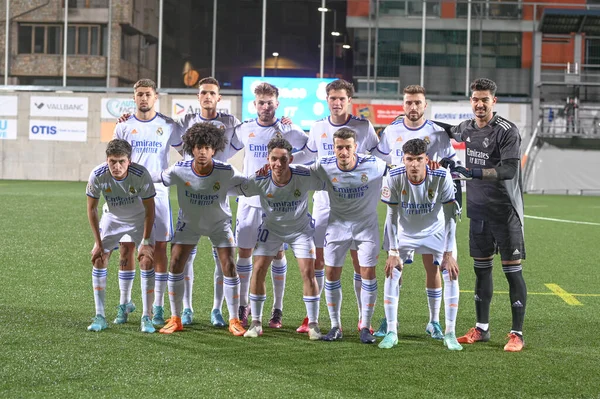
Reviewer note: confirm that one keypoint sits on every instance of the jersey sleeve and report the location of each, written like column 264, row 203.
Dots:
column 236, row 139
column 447, row 189
column 237, row 178
column 311, row 144
column 168, row 176
column 446, row 148
column 118, row 132
column 389, row 194
column 249, row 188
column 371, row 141
column 316, row 183
column 177, row 131
column 318, row 170
column 383, row 145
column 510, row 144
column 147, row 186
column 297, row 138
column 93, row 188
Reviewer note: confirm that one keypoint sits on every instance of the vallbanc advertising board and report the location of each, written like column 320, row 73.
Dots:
column 303, row 100
column 44, row 129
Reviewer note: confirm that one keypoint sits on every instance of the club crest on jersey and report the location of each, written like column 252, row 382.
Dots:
column 297, row 193
column 132, row 190
column 217, row 186
column 427, row 140
column 430, row 194
column 364, row 178
column 278, row 135
column 486, row 142
column 222, row 127
column 159, row 131
column 385, row 192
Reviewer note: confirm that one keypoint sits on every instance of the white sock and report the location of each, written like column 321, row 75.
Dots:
column 160, row 285
column 188, row 280
column 434, row 300
column 312, row 308
column 126, row 278
column 483, row 326
column 451, row 294
column 231, row 288
column 368, row 299
column 320, row 276
column 99, row 287
column 257, row 303
column 278, row 274
column 147, row 286
column 333, row 296
column 357, row 289
column 175, row 285
column 218, row 282
column 391, row 296
column 244, row 270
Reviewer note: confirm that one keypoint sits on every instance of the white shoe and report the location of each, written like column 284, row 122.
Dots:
column 254, row 331
column 314, row 332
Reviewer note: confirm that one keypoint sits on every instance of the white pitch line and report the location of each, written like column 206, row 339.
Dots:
column 562, row 220
column 536, row 206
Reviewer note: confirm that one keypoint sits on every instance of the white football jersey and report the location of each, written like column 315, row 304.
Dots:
column 420, row 212
column 223, row 121
column 320, row 137
column 150, row 140
column 353, row 194
column 202, row 199
column 123, row 197
column 255, row 137
column 285, row 207
column 397, row 133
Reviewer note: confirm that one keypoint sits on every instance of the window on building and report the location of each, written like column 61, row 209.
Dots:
column 47, row 39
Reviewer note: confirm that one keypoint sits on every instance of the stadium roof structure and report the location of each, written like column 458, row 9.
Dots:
column 565, row 21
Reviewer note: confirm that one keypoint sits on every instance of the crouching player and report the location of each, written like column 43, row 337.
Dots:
column 129, row 193
column 202, row 185
column 421, row 218
column 283, row 193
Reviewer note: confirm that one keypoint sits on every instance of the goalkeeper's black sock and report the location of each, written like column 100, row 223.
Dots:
column 518, row 294
column 484, row 289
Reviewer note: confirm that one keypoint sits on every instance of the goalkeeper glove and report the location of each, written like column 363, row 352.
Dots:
column 447, row 163
column 467, row 174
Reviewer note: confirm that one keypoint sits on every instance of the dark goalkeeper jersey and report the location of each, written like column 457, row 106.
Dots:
column 486, row 148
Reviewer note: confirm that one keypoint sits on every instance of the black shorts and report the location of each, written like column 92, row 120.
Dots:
column 487, row 238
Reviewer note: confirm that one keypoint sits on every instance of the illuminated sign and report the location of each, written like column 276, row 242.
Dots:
column 303, row 100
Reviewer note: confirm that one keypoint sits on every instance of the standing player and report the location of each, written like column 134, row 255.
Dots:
column 129, row 194
column 320, row 144
column 424, row 199
column 284, row 197
column 415, row 125
column 151, row 134
column 495, row 209
column 353, row 183
column 202, row 186
column 254, row 136
column 209, row 97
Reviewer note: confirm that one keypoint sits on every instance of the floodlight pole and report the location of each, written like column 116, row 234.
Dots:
column 6, row 43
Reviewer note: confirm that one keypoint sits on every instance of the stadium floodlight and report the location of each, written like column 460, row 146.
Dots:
column 276, row 54
column 323, row 9
column 335, row 33
column 346, row 46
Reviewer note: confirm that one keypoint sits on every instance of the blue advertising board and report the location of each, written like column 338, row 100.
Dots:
column 303, row 100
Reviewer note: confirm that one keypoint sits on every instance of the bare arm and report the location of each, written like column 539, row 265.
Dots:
column 391, row 226
column 146, row 249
